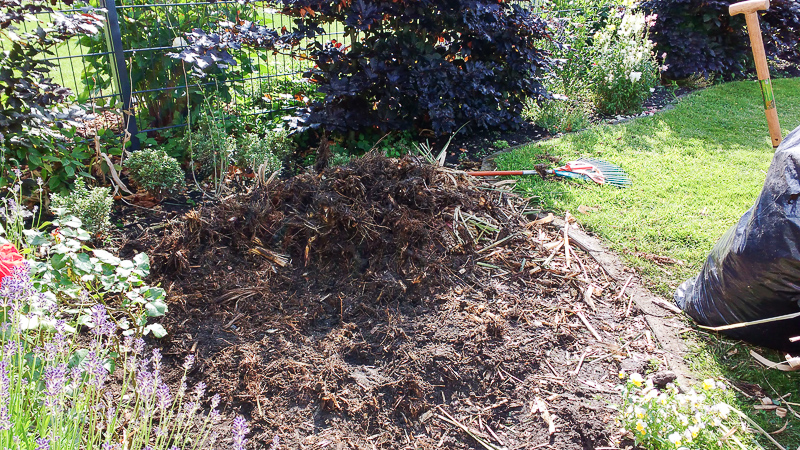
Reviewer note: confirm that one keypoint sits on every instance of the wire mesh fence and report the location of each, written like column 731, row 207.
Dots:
column 128, row 66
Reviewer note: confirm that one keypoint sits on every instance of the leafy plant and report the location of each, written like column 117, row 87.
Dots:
column 159, row 28
column 702, row 37
column 575, row 23
column 624, row 71
column 435, row 66
column 211, row 148
column 501, row 144
column 269, row 150
column 152, row 169
column 91, row 206
column 558, row 115
column 34, row 110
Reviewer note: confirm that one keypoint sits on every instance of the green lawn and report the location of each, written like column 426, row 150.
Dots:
column 695, row 170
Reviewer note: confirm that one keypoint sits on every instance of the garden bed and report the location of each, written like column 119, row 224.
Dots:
column 390, row 303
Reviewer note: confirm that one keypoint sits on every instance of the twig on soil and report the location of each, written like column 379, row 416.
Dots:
column 622, row 291
column 474, row 434
column 580, row 363
column 667, row 306
column 588, row 325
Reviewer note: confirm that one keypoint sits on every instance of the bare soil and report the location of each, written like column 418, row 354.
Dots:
column 391, row 304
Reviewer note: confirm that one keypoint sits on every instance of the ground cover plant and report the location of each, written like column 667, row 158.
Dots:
column 695, row 170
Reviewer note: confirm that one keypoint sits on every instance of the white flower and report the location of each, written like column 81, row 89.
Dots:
column 635, row 76
column 675, row 438
column 652, row 90
column 723, row 409
column 636, row 378
column 708, row 384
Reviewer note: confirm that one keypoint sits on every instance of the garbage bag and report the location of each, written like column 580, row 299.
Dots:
column 753, row 272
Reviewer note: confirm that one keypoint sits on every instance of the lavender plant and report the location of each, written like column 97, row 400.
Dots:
column 60, row 390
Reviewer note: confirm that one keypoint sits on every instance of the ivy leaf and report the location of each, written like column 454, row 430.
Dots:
column 157, row 329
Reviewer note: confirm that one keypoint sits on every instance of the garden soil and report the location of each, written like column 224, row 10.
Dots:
column 391, row 304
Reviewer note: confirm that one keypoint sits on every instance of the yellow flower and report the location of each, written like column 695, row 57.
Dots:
column 622, row 375
column 640, row 427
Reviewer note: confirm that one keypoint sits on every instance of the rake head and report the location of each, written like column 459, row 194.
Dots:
column 596, row 170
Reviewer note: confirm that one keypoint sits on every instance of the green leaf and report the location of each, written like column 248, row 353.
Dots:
column 142, row 262
column 83, row 263
column 106, row 257
column 77, row 358
column 157, row 330
column 156, row 308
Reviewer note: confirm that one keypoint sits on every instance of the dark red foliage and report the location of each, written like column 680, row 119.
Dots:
column 404, row 63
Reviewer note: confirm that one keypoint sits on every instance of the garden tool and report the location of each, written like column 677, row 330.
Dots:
column 587, row 169
column 750, row 10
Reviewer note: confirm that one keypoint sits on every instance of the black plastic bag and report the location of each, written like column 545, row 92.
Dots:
column 753, row 272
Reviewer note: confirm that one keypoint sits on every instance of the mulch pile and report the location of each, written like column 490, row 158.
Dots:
column 392, row 304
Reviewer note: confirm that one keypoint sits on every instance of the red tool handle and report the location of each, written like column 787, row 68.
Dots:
column 494, row 173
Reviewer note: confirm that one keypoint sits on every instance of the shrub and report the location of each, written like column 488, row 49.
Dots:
column 253, row 150
column 153, row 170
column 624, row 71
column 435, row 65
column 32, row 107
column 91, row 206
column 702, row 38
column 575, row 24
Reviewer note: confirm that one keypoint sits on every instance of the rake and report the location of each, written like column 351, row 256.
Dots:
column 586, row 169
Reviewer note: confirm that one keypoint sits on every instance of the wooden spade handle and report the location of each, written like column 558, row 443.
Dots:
column 750, row 10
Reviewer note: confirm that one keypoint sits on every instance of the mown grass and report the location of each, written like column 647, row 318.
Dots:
column 695, row 170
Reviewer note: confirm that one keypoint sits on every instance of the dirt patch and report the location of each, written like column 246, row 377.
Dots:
column 391, row 304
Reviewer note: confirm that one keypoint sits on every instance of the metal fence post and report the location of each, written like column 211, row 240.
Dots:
column 119, row 70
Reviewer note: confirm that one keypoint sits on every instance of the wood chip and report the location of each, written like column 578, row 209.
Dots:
column 540, row 407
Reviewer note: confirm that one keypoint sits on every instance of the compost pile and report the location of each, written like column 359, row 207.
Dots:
column 389, row 303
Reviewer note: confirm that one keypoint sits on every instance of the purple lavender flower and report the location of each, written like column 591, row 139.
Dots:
column 199, row 390
column 109, row 446
column 215, row 401
column 102, row 326
column 17, row 288
column 42, row 444
column 164, row 396
column 5, row 384
column 189, row 362
column 239, row 430
column 97, row 373
column 10, row 348
column 145, row 382
column 55, row 377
